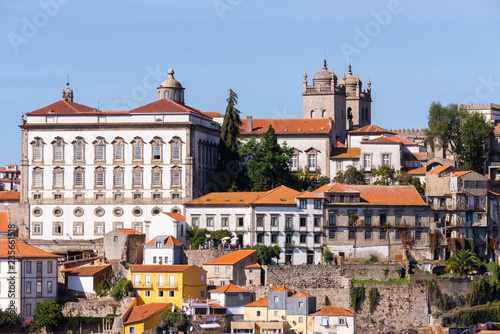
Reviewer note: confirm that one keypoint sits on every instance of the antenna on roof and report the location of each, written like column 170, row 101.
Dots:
column 324, row 54
column 97, row 105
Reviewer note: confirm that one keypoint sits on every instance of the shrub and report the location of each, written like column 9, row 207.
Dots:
column 120, row 288
column 357, row 296
column 386, row 271
column 374, row 296
column 327, row 256
column 102, row 289
column 445, row 302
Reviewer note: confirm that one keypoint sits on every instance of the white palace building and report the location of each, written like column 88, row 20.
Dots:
column 87, row 171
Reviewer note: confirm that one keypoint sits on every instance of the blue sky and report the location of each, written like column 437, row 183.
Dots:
column 116, row 52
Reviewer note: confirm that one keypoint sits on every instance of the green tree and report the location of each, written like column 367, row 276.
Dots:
column 219, row 234
column 350, row 176
column 353, row 221
column 387, row 228
column 265, row 254
column 228, row 174
column 307, row 180
column 47, row 315
column 327, row 256
column 173, row 319
column 267, row 161
column 474, row 132
column 197, row 235
column 385, row 175
column 120, row 288
column 444, row 127
column 462, row 262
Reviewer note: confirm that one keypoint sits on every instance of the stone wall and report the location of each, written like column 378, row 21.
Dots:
column 314, row 275
column 200, row 256
column 372, row 271
column 97, row 308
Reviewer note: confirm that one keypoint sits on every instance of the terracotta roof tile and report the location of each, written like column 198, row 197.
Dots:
column 336, row 187
column 22, row 250
column 217, row 306
column 283, row 126
column 458, row 174
column 176, row 216
column 340, row 145
column 166, row 105
column 421, row 156
column 230, row 288
column 370, row 129
column 307, row 194
column 143, row 312
column 282, row 289
column 346, row 153
column 278, row 195
column 403, row 140
column 227, row 198
column 232, row 258
column 440, row 169
column 301, row 294
column 167, row 240
column 5, row 179
column 162, row 268
column 129, row 231
column 252, row 266
column 85, row 270
column 418, row 171
column 213, row 114
column 12, row 195
column 62, row 107
column 334, row 311
column 258, row 303
column 4, row 222
column 381, row 140
column 380, row 195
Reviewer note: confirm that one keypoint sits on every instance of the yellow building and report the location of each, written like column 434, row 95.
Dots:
column 168, row 283
column 139, row 318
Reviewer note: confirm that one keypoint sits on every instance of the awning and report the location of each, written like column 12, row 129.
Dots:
column 212, row 325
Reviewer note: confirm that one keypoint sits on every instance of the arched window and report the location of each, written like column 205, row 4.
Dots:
column 312, row 113
column 323, row 113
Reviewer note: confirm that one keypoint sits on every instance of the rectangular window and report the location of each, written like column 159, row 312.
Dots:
column 57, row 228
column 171, row 294
column 260, row 238
column 260, row 221
column 28, row 287
column 137, row 152
column 317, row 204
column 332, row 199
column 383, row 219
column 202, row 278
column 118, row 152
column 37, row 153
column 99, row 179
column 161, row 280
column 176, row 152
column 303, row 238
column 99, row 228
column 156, row 152
column 317, row 221
column 58, row 179
column 158, row 196
column 160, row 294
column 352, row 234
column 137, row 280
column 78, row 179
column 332, row 219
column 301, row 319
column 332, row 234
column 194, row 221
column 312, row 161
column 28, row 267
column 78, row 153
column 137, row 179
column 368, row 219
column 78, row 228
column 118, row 179
column 383, row 234
column 274, row 238
column 228, row 269
column 341, row 198
column 210, row 221
column 58, row 153
column 293, row 162
column 418, row 235
column 342, row 321
column 176, row 179
column 224, row 221
column 317, row 238
column 303, row 203
column 156, row 179
column 288, row 221
column 37, row 179
column 154, row 260
column 398, row 219
column 418, row 220
column 99, row 153
column 303, row 221
column 49, row 286
column 367, row 158
column 171, row 280
column 339, row 165
column 147, row 293
column 368, row 234
column 37, row 228
column 216, row 270
column 274, row 221
column 386, row 160
column 240, row 221
column 397, row 235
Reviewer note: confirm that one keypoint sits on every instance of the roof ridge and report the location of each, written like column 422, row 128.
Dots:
column 69, row 105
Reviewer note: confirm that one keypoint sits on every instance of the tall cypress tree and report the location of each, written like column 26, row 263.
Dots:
column 228, row 173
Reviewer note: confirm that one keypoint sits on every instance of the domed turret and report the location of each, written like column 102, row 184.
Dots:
column 351, row 80
column 171, row 89
column 324, row 77
column 67, row 94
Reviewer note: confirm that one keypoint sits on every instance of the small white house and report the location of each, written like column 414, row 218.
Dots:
column 233, row 297
column 166, row 223
column 333, row 319
column 86, row 278
column 163, row 249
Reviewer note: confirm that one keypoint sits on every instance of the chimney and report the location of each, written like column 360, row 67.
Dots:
column 249, row 124
column 330, row 121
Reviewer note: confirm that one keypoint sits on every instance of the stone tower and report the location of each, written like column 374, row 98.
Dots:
column 342, row 100
column 67, row 94
column 171, row 89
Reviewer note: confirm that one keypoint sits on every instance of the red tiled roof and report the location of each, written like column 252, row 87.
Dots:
column 4, row 222
column 176, row 216
column 143, row 312
column 169, row 240
column 381, row 140
column 12, row 195
column 420, row 156
column 278, row 195
column 439, row 169
column 370, row 129
column 166, row 105
column 458, row 174
column 307, row 194
column 283, row 126
column 129, row 231
column 5, row 179
column 340, row 145
column 301, row 294
column 232, row 258
column 417, row 171
column 62, row 107
column 334, row 311
column 336, row 187
column 252, row 266
column 227, row 198
column 230, row 288
column 22, row 250
column 346, row 153
column 381, row 195
column 213, row 114
column 258, row 303
column 282, row 289
column 85, row 270
column 403, row 140
column 162, row 268
column 217, row 306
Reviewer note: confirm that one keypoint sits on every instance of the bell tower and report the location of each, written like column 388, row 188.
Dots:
column 171, row 89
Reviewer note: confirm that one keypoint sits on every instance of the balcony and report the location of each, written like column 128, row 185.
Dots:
column 173, row 285
column 142, row 285
column 290, row 244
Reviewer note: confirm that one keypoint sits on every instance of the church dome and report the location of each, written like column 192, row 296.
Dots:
column 350, row 79
column 170, row 81
column 324, row 76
